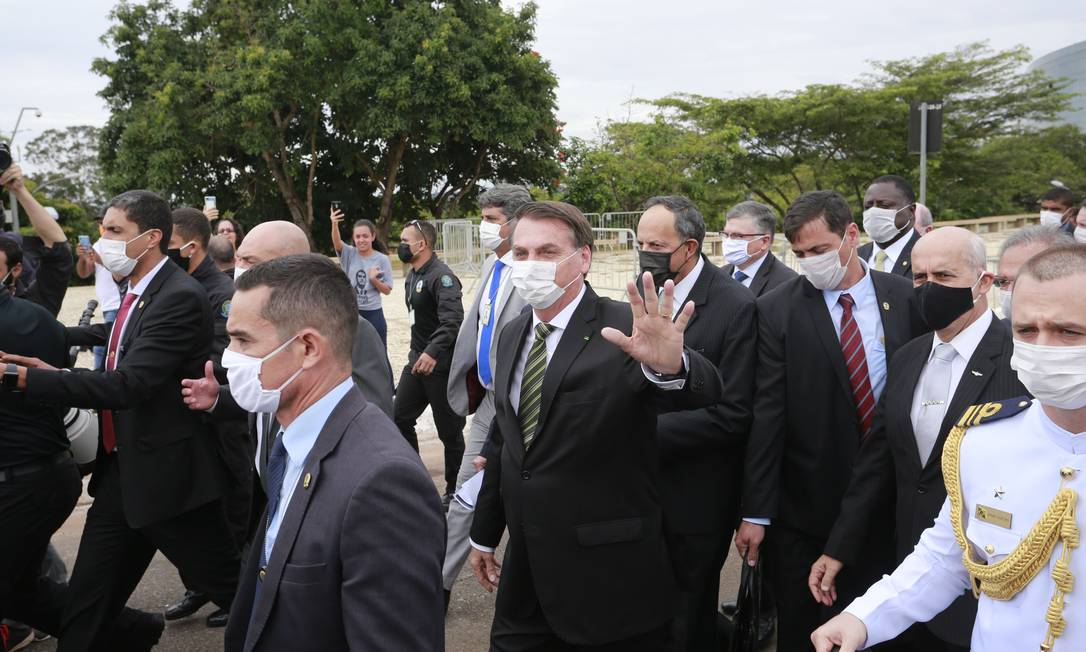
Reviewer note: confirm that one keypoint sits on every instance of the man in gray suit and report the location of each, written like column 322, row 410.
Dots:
column 348, row 552
column 471, row 383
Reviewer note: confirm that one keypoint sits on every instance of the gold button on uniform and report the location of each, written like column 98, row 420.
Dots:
column 988, row 549
column 1023, row 404
column 1067, row 473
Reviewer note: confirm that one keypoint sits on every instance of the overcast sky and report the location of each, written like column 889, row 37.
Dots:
column 604, row 51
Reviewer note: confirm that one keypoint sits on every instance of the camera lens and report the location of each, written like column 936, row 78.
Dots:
column 5, row 156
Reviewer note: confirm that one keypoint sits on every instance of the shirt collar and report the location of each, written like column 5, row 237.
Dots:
column 859, row 291
column 752, row 270
column 1071, row 442
column 507, row 259
column 561, row 320
column 301, row 434
column 966, row 342
column 139, row 288
column 682, row 288
column 894, row 250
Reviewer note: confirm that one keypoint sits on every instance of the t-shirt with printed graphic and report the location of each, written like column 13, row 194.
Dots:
column 356, row 267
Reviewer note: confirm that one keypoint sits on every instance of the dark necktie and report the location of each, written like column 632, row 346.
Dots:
column 852, row 346
column 740, row 276
column 531, row 385
column 277, row 467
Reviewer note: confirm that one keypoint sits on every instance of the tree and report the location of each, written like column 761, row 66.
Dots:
column 67, row 165
column 255, row 99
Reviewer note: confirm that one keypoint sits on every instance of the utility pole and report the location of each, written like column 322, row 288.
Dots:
column 11, row 143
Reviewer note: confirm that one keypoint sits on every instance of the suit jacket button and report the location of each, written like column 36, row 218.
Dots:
column 262, row 573
column 921, row 489
column 525, row 475
column 698, row 384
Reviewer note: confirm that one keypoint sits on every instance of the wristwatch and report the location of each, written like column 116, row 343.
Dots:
column 11, row 377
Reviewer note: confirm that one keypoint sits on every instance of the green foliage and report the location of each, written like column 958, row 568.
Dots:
column 999, row 147
column 67, row 165
column 278, row 107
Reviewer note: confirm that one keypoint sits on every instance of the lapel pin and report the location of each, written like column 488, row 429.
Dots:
column 139, row 306
column 975, row 373
column 999, row 493
column 904, row 263
column 885, row 305
column 587, row 337
column 305, row 481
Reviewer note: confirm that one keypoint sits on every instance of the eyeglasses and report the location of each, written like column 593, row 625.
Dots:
column 1003, row 283
column 741, row 236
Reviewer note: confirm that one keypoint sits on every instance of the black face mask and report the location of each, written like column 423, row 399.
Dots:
column 404, row 252
column 940, row 305
column 178, row 259
column 658, row 263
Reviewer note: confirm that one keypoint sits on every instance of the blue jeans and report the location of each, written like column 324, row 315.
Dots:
column 100, row 351
column 377, row 319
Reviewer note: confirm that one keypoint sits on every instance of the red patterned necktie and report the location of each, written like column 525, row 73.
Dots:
column 109, row 435
column 852, row 346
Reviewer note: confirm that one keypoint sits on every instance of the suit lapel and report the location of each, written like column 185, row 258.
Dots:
column 342, row 415
column 827, row 334
column 144, row 300
column 979, row 371
column 576, row 336
column 699, row 293
column 892, row 313
column 758, row 283
column 510, row 348
column 903, row 267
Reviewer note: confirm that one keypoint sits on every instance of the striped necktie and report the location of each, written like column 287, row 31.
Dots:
column 531, row 385
column 852, row 347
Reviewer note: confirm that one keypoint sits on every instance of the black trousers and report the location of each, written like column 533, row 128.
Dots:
column 791, row 554
column 32, row 508
column 113, row 557
column 413, row 394
column 698, row 560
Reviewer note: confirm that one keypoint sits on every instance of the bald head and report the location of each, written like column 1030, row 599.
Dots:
column 271, row 240
column 951, row 244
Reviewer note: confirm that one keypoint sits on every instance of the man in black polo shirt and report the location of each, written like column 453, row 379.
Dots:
column 434, row 310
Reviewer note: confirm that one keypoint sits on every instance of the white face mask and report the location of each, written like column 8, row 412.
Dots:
column 489, row 235
column 879, row 223
column 825, row 271
column 238, row 271
column 735, row 251
column 534, row 281
column 1051, row 218
column 243, row 374
column 1080, row 234
column 1005, row 304
column 1055, row 375
column 114, row 255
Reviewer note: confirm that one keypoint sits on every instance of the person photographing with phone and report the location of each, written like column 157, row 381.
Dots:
column 367, row 268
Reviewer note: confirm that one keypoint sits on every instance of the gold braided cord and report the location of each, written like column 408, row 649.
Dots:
column 1003, row 580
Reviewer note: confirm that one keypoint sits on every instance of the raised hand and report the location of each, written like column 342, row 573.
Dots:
column 200, row 394
column 656, row 340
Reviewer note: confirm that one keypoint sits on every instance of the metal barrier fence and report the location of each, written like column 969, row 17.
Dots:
column 618, row 220
column 615, row 261
column 458, row 245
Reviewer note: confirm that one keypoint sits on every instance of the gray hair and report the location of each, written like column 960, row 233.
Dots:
column 689, row 223
column 507, row 197
column 976, row 254
column 764, row 218
column 923, row 215
column 220, row 249
column 307, row 291
column 1049, row 236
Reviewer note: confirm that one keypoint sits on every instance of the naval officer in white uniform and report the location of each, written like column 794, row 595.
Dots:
column 1014, row 471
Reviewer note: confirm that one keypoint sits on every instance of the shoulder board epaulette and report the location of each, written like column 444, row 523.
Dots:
column 988, row 412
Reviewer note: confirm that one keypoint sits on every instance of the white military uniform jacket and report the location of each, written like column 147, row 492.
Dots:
column 1009, row 465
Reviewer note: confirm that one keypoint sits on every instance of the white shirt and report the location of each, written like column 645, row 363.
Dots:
column 500, row 299
column 1013, row 465
column 298, row 440
column 109, row 296
column 893, row 252
column 751, row 271
column 867, row 313
column 683, row 287
column 137, row 290
column 965, row 344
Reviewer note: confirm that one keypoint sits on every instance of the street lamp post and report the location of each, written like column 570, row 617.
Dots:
column 14, row 202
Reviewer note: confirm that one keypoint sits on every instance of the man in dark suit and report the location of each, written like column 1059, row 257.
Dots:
column 889, row 219
column 188, row 248
column 748, row 243
column 932, row 381
column 158, row 478
column 701, row 451
column 823, row 342
column 348, row 552
column 575, row 479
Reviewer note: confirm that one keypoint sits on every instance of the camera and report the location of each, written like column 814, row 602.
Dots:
column 5, row 156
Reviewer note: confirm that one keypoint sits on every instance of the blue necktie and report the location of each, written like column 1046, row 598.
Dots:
column 273, row 483
column 740, row 276
column 485, row 374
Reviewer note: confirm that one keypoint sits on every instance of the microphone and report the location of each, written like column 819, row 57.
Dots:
column 84, row 320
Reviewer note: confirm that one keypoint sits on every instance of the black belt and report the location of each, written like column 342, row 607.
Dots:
column 12, row 472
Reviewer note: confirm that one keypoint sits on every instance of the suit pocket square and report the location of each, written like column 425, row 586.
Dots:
column 605, row 532
column 303, row 573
